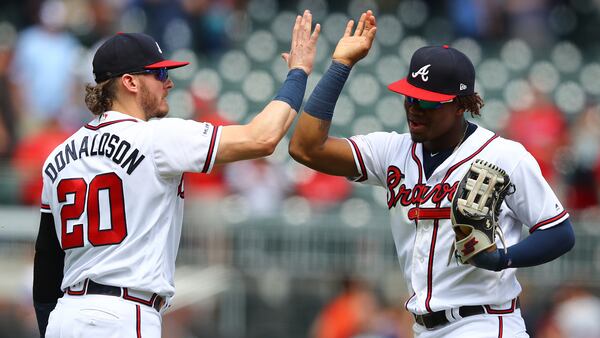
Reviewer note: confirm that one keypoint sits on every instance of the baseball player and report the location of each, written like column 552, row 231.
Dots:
column 421, row 171
column 112, row 200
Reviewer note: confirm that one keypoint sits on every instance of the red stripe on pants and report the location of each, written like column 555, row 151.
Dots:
column 500, row 326
column 138, row 321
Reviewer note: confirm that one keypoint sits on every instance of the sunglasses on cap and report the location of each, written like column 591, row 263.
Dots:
column 426, row 104
column 161, row 74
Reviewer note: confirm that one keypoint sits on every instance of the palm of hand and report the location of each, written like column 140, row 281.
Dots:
column 352, row 48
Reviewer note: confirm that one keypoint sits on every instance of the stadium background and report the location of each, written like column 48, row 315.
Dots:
column 267, row 244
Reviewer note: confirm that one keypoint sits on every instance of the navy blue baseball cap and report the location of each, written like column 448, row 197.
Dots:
column 437, row 73
column 128, row 53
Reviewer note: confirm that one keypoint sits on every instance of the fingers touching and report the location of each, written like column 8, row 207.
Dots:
column 366, row 26
column 304, row 41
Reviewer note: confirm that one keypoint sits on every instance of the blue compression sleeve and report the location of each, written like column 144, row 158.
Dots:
column 540, row 247
column 293, row 88
column 322, row 101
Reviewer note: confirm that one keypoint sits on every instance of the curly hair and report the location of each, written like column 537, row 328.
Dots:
column 471, row 103
column 99, row 98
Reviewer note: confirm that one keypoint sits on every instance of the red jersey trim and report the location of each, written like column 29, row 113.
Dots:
column 413, row 152
column 457, row 165
column 211, row 148
column 548, row 221
column 428, row 213
column 361, row 162
column 101, row 125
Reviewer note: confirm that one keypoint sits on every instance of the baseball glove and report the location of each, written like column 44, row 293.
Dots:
column 476, row 207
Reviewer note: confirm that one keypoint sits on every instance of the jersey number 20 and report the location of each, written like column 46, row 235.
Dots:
column 96, row 236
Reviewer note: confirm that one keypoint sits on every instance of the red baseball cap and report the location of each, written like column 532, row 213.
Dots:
column 128, row 53
column 437, row 73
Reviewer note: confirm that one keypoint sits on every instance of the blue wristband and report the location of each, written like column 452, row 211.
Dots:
column 493, row 261
column 321, row 102
column 293, row 88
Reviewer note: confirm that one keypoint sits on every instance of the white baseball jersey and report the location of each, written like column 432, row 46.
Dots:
column 420, row 214
column 115, row 191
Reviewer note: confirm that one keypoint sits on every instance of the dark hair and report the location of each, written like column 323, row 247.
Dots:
column 471, row 103
column 99, row 98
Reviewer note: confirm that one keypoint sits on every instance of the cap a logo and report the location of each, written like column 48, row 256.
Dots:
column 157, row 46
column 424, row 72
column 463, row 86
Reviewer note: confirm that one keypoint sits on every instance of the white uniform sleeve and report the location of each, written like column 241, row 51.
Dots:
column 184, row 145
column 370, row 154
column 46, row 195
column 533, row 202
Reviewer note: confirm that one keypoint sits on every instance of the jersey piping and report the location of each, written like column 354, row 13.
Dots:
column 363, row 169
column 548, row 221
column 90, row 127
column 208, row 161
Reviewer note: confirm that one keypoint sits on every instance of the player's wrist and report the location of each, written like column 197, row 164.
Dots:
column 293, row 88
column 490, row 260
column 321, row 102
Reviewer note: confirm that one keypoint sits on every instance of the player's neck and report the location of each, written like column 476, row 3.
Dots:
column 451, row 140
column 129, row 108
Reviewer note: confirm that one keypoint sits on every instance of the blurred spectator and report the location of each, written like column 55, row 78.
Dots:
column 393, row 322
column 575, row 314
column 321, row 190
column 158, row 16
column 582, row 183
column 8, row 121
column 542, row 130
column 476, row 18
column 349, row 314
column 207, row 20
column 103, row 17
column 43, row 68
column 528, row 20
column 214, row 185
column 263, row 184
column 29, row 157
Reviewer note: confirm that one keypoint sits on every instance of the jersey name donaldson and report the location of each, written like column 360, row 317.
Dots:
column 109, row 145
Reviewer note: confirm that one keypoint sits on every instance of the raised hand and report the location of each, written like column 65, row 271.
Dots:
column 353, row 47
column 304, row 44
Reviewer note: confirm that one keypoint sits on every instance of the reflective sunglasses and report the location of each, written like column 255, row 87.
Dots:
column 161, row 74
column 426, row 104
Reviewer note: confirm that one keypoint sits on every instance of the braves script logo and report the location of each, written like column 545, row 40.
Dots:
column 469, row 246
column 419, row 194
column 424, row 71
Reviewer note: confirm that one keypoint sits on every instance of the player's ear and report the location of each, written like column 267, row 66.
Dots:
column 130, row 83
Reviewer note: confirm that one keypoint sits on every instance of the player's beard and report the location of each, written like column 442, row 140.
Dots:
column 151, row 104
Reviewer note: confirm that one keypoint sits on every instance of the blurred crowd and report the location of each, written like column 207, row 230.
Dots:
column 45, row 62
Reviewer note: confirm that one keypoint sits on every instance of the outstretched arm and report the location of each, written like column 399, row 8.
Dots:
column 311, row 144
column 260, row 137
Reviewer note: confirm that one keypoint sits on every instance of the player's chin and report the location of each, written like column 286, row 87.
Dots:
column 417, row 138
column 163, row 110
